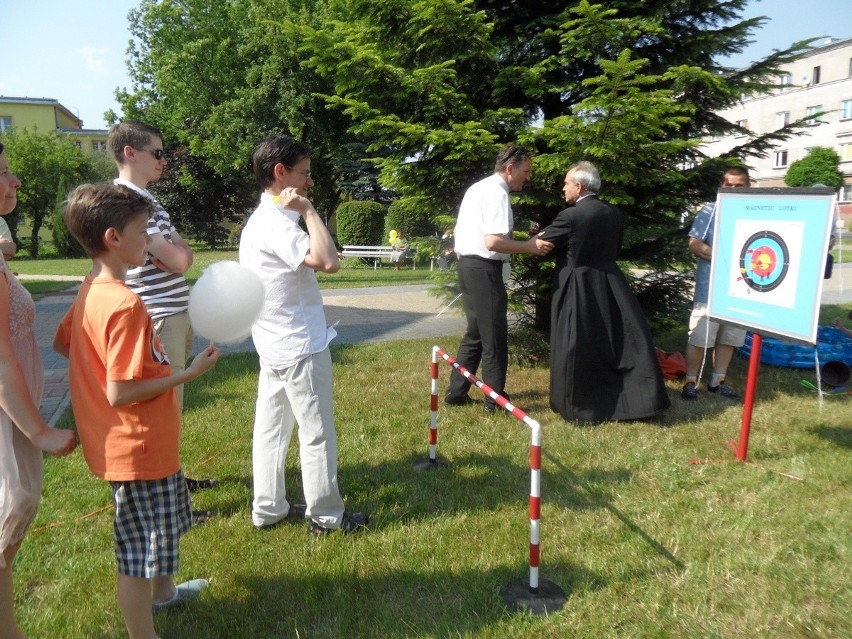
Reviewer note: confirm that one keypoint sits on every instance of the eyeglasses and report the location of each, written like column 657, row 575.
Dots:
column 307, row 173
column 158, row 154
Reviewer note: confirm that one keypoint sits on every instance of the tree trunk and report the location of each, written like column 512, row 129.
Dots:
column 33, row 248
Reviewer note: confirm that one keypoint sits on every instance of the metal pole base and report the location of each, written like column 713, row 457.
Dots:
column 428, row 464
column 549, row 599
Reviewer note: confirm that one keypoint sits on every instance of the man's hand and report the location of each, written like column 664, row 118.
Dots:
column 540, row 246
column 296, row 200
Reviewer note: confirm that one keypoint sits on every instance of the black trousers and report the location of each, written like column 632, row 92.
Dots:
column 486, row 337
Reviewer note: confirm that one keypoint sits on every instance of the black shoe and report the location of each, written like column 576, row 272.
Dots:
column 200, row 517
column 491, row 406
column 723, row 390
column 689, row 392
column 350, row 522
column 193, row 485
column 464, row 400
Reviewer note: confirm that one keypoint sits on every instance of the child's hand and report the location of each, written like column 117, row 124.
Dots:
column 837, row 323
column 57, row 442
column 204, row 361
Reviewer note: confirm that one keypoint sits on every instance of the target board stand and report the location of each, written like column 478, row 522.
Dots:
column 769, row 255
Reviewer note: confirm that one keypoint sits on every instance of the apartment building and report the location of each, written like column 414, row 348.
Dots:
column 47, row 114
column 820, row 84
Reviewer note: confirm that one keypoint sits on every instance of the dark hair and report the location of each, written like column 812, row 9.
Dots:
column 511, row 154
column 91, row 209
column 739, row 171
column 277, row 149
column 130, row 133
column 1, row 147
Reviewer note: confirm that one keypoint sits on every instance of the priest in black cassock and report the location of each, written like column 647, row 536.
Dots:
column 602, row 361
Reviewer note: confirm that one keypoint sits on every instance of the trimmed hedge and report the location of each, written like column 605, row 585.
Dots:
column 412, row 216
column 360, row 223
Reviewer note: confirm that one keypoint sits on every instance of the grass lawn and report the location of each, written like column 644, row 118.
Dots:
column 40, row 288
column 353, row 272
column 645, row 542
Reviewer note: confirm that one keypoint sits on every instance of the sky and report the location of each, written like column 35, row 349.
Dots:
column 75, row 50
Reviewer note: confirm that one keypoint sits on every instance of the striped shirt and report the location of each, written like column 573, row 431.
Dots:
column 164, row 293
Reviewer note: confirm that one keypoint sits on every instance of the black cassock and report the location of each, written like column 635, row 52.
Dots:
column 602, row 361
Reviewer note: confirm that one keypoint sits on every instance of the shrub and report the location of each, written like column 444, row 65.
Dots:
column 528, row 348
column 63, row 241
column 412, row 216
column 818, row 167
column 360, row 223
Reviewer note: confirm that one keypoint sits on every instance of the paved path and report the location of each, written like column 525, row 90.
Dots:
column 364, row 315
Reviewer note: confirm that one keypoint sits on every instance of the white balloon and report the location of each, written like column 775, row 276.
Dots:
column 225, row 302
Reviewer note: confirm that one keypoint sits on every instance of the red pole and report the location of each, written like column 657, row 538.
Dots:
column 535, row 454
column 433, row 407
column 751, row 389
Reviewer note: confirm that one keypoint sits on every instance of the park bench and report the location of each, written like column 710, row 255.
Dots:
column 376, row 253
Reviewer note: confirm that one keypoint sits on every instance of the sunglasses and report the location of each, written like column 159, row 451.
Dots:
column 158, row 154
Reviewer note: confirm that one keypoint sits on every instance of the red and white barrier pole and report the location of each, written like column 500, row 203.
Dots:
column 535, row 451
column 433, row 405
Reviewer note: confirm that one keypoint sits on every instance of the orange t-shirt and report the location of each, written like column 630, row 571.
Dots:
column 111, row 337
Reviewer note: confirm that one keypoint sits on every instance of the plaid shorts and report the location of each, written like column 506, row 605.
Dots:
column 150, row 517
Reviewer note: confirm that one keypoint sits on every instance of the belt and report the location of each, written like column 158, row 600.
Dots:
column 482, row 259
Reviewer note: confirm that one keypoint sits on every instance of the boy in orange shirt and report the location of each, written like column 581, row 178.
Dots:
column 125, row 405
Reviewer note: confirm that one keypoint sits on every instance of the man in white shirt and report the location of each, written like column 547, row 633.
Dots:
column 483, row 242
column 291, row 337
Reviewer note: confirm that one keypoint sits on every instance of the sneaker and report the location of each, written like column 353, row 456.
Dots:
column 689, row 392
column 723, row 390
column 351, row 522
column 184, row 592
column 464, row 400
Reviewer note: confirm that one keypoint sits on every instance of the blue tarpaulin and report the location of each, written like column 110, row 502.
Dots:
column 832, row 345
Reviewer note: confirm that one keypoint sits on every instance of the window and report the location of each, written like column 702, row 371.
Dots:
column 846, row 109
column 782, row 119
column 743, row 124
column 846, row 193
column 815, row 110
column 5, row 123
column 846, row 152
column 785, row 80
column 780, row 159
column 98, row 145
column 815, row 75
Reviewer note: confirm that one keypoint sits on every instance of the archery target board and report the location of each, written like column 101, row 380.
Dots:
column 769, row 253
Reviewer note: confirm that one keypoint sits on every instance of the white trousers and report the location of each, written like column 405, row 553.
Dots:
column 298, row 394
